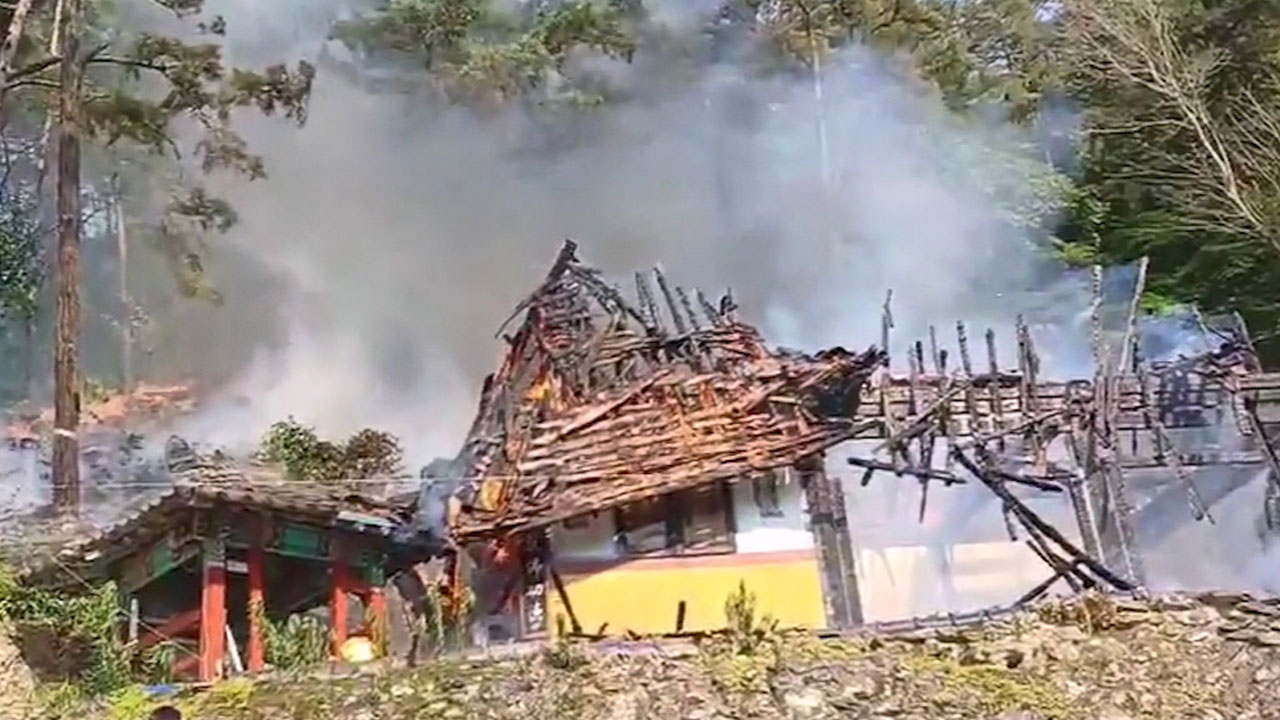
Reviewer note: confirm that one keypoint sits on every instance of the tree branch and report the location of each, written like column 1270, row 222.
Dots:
column 9, row 50
column 126, row 62
column 31, row 82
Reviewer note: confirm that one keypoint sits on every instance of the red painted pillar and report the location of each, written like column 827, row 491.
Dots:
column 341, row 573
column 257, row 599
column 213, row 611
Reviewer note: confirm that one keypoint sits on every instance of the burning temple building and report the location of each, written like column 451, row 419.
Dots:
column 645, row 458
column 634, row 461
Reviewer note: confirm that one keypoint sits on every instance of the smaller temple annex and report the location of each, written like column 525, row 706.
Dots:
column 205, row 564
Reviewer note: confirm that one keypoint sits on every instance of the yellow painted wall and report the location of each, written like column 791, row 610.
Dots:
column 643, row 595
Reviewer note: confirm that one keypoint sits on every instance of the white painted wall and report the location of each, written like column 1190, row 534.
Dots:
column 755, row 533
column 592, row 542
column 759, row 534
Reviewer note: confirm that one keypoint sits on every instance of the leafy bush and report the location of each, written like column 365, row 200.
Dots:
column 747, row 632
column 70, row 638
column 441, row 626
column 308, row 458
column 298, row 643
column 564, row 653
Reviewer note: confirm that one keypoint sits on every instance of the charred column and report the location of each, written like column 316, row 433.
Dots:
column 825, row 499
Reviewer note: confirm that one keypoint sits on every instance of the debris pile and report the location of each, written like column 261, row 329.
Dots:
column 601, row 402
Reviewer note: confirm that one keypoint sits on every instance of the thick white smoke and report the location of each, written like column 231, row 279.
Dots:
column 404, row 232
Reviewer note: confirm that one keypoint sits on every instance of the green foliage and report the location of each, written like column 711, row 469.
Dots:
column 1181, row 115
column 22, row 269
column 157, row 662
column 297, row 643
column 139, row 87
column 482, row 55
column 94, row 391
column 992, row 690
column 441, row 627
column 747, row 631
column 991, row 53
column 564, row 653
column 73, row 637
column 129, row 703
column 305, row 457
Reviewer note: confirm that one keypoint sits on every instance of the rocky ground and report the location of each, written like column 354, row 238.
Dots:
column 1213, row 657
column 17, row 685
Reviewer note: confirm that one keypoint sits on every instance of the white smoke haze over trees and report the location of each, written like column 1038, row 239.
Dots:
column 399, row 232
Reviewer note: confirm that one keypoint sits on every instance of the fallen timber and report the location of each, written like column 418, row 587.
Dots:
column 1128, row 418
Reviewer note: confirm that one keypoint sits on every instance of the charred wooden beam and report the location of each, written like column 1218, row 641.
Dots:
column 688, row 309
column 886, row 324
column 1033, row 520
column 713, row 316
column 652, row 320
column 676, row 317
column 947, row 478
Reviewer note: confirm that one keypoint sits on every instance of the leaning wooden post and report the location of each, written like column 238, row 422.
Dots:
column 213, row 608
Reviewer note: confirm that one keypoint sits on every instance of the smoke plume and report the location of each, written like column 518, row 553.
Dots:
column 401, row 232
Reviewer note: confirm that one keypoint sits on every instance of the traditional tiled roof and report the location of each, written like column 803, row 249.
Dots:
column 341, row 505
column 600, row 402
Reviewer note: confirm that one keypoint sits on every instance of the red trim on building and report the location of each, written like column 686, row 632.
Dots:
column 338, row 604
column 213, row 618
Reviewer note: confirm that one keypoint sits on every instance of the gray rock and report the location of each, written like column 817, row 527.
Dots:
column 804, row 702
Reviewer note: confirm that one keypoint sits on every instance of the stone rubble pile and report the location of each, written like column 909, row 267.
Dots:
column 1210, row 657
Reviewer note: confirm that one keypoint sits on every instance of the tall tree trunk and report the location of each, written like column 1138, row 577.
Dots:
column 29, row 361
column 66, row 374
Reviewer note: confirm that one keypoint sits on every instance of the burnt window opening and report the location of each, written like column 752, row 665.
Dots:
column 692, row 522
column 765, row 489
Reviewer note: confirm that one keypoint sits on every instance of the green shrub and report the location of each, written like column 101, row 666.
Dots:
column 297, row 643
column 747, row 632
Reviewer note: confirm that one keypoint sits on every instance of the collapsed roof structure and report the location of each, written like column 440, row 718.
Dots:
column 600, row 402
